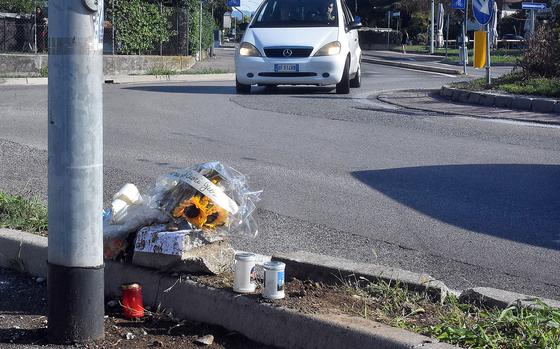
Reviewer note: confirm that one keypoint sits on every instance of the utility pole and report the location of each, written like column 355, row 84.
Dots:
column 200, row 34
column 488, row 74
column 465, row 50
column 432, row 29
column 75, row 171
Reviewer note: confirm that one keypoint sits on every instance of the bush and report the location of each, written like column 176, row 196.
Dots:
column 541, row 57
column 140, row 26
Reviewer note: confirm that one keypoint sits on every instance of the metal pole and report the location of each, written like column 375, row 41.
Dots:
column 389, row 27
column 75, row 171
column 160, row 41
column 355, row 7
column 113, row 26
column 35, row 32
column 200, row 34
column 488, row 75
column 447, row 36
column 465, row 51
column 432, row 29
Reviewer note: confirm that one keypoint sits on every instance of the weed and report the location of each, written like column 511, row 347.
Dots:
column 161, row 71
column 44, row 71
column 18, row 212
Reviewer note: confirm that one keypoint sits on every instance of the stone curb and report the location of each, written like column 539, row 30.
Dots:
column 536, row 104
column 413, row 66
column 261, row 322
column 332, row 270
column 128, row 79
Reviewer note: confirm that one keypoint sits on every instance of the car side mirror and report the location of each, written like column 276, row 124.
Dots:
column 243, row 26
column 357, row 21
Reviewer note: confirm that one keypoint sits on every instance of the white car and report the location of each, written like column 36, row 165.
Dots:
column 300, row 42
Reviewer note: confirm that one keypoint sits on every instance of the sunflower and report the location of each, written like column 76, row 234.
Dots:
column 217, row 216
column 192, row 210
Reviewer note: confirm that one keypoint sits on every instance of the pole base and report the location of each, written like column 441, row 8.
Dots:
column 76, row 304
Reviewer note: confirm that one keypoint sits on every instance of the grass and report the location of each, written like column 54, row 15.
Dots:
column 18, row 212
column 453, row 322
column 496, row 56
column 167, row 71
column 44, row 71
column 516, row 83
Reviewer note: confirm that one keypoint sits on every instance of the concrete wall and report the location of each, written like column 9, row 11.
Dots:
column 14, row 65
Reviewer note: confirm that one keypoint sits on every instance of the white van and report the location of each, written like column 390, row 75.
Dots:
column 300, row 42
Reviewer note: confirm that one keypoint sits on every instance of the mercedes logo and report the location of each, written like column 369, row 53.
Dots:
column 287, row 52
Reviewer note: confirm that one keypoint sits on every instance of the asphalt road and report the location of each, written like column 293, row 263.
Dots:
column 472, row 202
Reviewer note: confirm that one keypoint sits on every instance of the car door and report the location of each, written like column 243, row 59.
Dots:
column 352, row 37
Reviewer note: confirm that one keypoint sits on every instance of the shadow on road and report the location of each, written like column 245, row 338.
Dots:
column 209, row 90
column 509, row 201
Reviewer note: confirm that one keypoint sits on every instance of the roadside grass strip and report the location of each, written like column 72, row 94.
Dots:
column 18, row 212
column 451, row 321
column 516, row 83
column 168, row 71
column 509, row 56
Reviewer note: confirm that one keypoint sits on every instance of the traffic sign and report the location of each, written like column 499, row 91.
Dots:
column 533, row 6
column 233, row 3
column 459, row 4
column 483, row 10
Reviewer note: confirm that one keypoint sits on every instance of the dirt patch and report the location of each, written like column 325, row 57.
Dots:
column 23, row 323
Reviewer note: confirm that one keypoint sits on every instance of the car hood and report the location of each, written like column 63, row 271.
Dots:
column 289, row 37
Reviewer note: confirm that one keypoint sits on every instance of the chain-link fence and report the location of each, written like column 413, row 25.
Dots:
column 25, row 33
column 149, row 27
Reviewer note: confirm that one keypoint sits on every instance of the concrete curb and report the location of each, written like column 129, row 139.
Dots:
column 536, row 104
column 128, row 79
column 414, row 66
column 332, row 270
column 261, row 322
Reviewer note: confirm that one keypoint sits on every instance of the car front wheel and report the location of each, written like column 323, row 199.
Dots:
column 357, row 80
column 343, row 87
column 242, row 88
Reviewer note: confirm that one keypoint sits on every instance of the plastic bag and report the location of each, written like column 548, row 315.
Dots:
column 209, row 196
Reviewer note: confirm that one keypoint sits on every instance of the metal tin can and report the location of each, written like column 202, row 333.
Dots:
column 274, row 280
column 132, row 301
column 244, row 279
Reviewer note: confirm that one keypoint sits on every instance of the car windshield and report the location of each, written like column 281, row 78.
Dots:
column 296, row 13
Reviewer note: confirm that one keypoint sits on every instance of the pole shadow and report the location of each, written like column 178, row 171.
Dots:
column 517, row 202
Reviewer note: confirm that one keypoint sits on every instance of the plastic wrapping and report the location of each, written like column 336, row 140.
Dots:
column 209, row 196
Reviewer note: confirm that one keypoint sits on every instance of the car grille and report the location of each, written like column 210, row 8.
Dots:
column 297, row 52
column 288, row 75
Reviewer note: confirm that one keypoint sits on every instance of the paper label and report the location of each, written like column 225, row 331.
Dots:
column 153, row 241
column 206, row 187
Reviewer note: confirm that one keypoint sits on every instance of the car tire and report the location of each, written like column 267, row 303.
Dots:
column 242, row 88
column 343, row 87
column 357, row 80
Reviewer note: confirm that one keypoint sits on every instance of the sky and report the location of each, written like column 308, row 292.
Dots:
column 250, row 5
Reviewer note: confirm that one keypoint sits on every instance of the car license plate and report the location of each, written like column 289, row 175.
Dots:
column 286, row 68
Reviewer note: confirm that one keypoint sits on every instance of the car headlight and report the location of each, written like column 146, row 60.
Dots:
column 247, row 49
column 330, row 49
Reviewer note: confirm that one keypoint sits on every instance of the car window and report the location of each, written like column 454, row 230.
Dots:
column 348, row 18
column 296, row 13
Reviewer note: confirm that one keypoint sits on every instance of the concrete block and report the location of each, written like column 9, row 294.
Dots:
column 473, row 98
column 23, row 251
column 503, row 101
column 522, row 103
column 486, row 100
column 332, row 270
column 446, row 91
column 456, row 95
column 541, row 105
column 464, row 96
column 492, row 297
column 191, row 251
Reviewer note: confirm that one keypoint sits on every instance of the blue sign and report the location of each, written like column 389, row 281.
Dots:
column 533, row 6
column 459, row 4
column 483, row 10
column 233, row 3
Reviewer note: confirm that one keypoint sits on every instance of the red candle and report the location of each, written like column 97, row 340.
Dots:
column 132, row 301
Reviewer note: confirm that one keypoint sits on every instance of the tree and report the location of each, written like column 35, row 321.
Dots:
column 20, row 6
column 140, row 26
